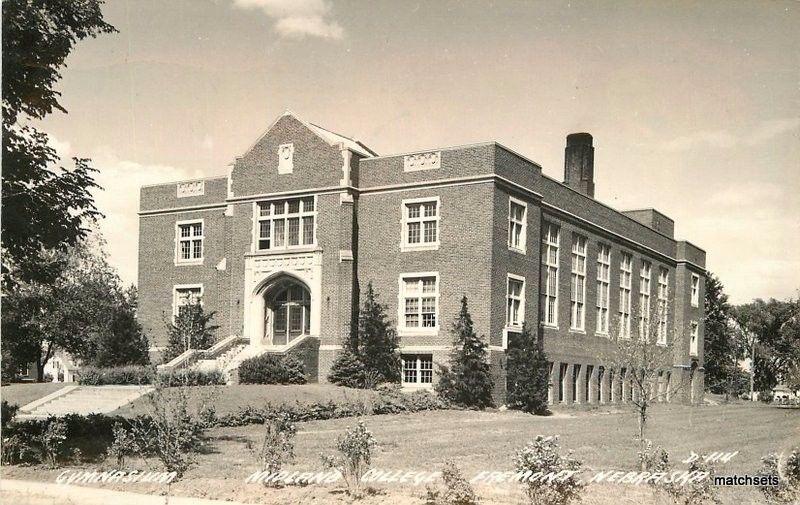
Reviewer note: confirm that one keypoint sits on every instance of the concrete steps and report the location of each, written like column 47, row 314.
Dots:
column 84, row 400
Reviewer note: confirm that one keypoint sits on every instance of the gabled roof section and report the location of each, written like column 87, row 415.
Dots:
column 332, row 138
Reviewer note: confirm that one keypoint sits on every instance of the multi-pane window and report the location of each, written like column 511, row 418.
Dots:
column 190, row 242
column 419, row 301
column 291, row 308
column 644, row 299
column 603, row 287
column 625, row 279
column 420, row 224
column 515, row 307
column 695, row 290
column 516, row 224
column 693, row 343
column 417, row 368
column 185, row 296
column 286, row 224
column 663, row 300
column 578, row 283
column 549, row 302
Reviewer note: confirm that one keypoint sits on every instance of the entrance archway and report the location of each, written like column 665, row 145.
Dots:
column 287, row 310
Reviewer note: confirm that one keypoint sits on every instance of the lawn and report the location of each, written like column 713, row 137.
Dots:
column 481, row 441
column 228, row 399
column 24, row 393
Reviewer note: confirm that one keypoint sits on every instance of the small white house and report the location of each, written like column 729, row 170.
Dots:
column 782, row 394
column 62, row 368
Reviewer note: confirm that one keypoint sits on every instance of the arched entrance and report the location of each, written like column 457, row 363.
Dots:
column 287, row 310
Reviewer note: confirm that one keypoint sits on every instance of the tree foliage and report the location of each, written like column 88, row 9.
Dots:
column 773, row 331
column 44, row 206
column 83, row 310
column 527, row 377
column 191, row 328
column 468, row 380
column 722, row 344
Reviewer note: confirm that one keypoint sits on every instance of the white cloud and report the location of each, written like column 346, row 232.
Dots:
column 207, row 143
column 724, row 139
column 298, row 18
column 119, row 202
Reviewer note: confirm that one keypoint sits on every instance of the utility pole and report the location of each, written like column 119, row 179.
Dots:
column 752, row 337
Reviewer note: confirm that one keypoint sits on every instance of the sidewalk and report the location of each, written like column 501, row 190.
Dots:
column 24, row 492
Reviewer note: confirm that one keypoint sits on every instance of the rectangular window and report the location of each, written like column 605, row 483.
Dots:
column 603, row 287
column 190, row 242
column 185, row 295
column 515, row 306
column 417, row 369
column 644, row 300
column 419, row 302
column 578, row 283
column 420, row 224
column 625, row 279
column 693, row 343
column 517, row 211
column 286, row 224
column 695, row 290
column 663, row 301
column 549, row 302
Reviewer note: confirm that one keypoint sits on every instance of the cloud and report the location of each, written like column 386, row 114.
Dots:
column 298, row 18
column 724, row 139
column 119, row 202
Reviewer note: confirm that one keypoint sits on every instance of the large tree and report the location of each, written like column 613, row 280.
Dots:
column 773, row 330
column 44, row 206
column 722, row 347
column 527, row 375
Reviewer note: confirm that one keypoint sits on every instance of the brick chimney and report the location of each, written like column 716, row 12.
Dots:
column 579, row 163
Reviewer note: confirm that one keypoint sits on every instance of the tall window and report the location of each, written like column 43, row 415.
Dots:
column 420, row 224
column 190, row 242
column 285, row 224
column 663, row 300
column 578, row 283
column 550, row 238
column 625, row 278
column 516, row 224
column 419, row 301
column 186, row 295
column 515, row 307
column 644, row 299
column 695, row 290
column 291, row 307
column 693, row 343
column 417, row 369
column 603, row 287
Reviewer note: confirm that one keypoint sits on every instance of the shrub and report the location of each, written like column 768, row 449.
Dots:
column 172, row 431
column 354, row 458
column 52, row 441
column 124, row 445
column 788, row 488
column 7, row 413
column 272, row 369
column 348, row 370
column 467, row 381
column 191, row 377
column 527, row 373
column 121, row 375
column 277, row 446
column 656, row 460
column 543, row 455
column 456, row 491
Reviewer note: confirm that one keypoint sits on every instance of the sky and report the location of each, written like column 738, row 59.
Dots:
column 694, row 106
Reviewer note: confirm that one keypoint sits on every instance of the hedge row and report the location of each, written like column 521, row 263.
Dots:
column 142, row 375
column 272, row 369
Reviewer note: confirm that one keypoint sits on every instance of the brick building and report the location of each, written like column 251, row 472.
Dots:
column 281, row 246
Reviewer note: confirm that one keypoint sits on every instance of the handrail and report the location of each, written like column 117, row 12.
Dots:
column 190, row 356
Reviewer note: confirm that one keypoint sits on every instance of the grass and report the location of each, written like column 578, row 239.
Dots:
column 228, row 399
column 23, row 393
column 479, row 441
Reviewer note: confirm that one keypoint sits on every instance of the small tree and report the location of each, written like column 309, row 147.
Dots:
column 467, row 381
column 543, row 457
column 277, row 446
column 124, row 343
column 527, row 373
column 645, row 357
column 377, row 341
column 354, row 458
column 348, row 370
column 191, row 329
column 455, row 491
